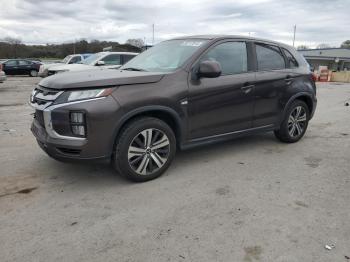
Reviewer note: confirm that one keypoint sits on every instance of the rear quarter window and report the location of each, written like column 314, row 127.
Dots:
column 292, row 62
column 269, row 57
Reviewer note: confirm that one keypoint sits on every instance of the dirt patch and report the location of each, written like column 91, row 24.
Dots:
column 221, row 191
column 11, row 185
column 252, row 253
column 22, row 191
column 14, row 104
column 301, row 203
column 313, row 162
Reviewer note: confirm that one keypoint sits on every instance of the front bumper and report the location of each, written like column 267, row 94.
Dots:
column 101, row 118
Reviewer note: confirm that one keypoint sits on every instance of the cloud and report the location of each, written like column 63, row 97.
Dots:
column 50, row 21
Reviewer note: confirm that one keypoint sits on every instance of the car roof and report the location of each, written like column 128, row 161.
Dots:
column 222, row 37
column 119, row 53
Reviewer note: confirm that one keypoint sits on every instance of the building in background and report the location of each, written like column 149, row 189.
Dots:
column 336, row 59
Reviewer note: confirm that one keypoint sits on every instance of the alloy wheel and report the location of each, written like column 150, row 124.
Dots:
column 148, row 151
column 297, row 121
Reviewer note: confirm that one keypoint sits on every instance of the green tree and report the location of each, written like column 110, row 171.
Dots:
column 345, row 44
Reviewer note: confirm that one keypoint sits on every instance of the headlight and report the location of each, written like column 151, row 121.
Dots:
column 86, row 94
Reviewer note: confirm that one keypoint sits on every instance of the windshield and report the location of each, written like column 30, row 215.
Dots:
column 166, row 56
column 91, row 60
column 65, row 60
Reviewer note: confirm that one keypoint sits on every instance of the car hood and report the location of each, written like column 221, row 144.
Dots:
column 99, row 78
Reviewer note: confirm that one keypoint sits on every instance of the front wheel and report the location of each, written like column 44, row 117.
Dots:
column 295, row 123
column 144, row 149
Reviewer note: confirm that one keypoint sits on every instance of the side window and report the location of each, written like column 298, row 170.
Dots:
column 23, row 62
column 75, row 59
column 11, row 63
column 269, row 57
column 112, row 60
column 291, row 59
column 232, row 56
column 127, row 58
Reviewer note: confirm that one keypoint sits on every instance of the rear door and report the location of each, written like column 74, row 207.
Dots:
column 223, row 104
column 272, row 79
column 24, row 67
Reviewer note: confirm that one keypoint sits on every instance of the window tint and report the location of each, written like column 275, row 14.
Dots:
column 24, row 62
column 75, row 59
column 232, row 56
column 291, row 59
column 11, row 63
column 127, row 58
column 269, row 57
column 112, row 60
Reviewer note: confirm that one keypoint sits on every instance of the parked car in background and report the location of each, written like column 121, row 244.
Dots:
column 20, row 67
column 99, row 60
column 178, row 94
column 2, row 76
column 70, row 59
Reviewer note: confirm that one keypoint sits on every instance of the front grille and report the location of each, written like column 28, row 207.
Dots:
column 39, row 116
column 43, row 97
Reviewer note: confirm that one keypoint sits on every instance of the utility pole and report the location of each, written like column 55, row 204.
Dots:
column 295, row 29
column 152, row 34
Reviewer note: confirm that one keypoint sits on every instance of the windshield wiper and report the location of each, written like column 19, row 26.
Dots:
column 134, row 69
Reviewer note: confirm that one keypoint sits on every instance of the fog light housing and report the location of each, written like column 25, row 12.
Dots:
column 78, row 123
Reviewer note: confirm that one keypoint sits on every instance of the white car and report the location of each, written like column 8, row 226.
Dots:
column 110, row 60
column 70, row 59
column 2, row 76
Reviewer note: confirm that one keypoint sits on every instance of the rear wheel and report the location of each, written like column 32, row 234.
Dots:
column 33, row 73
column 145, row 149
column 295, row 123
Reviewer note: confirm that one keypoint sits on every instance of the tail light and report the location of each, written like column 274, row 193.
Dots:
column 1, row 67
column 313, row 77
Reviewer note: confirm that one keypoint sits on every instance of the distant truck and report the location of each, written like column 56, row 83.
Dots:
column 110, row 60
column 70, row 59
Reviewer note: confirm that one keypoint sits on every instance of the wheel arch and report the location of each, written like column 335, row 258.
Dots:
column 305, row 97
column 166, row 114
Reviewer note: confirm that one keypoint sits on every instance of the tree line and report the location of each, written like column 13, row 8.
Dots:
column 14, row 48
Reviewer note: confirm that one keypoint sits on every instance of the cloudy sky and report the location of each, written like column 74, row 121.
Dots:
column 50, row 21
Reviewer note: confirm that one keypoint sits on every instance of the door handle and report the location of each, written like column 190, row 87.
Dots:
column 247, row 88
column 288, row 80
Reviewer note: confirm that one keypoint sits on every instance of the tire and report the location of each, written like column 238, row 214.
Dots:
column 33, row 73
column 144, row 149
column 295, row 122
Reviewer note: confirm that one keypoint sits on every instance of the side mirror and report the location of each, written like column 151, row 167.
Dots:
column 210, row 69
column 100, row 63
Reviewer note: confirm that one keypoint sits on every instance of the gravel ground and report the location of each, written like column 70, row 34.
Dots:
column 250, row 199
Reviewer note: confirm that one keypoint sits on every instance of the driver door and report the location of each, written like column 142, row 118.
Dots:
column 223, row 104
